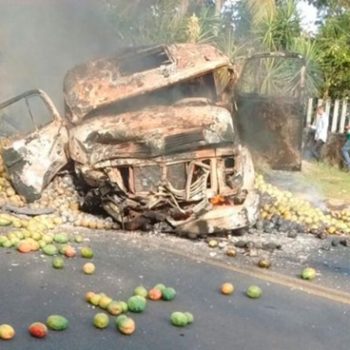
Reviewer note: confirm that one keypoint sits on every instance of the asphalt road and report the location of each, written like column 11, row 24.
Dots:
column 283, row 319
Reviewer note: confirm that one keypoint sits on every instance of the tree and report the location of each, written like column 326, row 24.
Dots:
column 333, row 41
column 330, row 7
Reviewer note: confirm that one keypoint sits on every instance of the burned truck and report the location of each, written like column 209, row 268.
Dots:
column 151, row 135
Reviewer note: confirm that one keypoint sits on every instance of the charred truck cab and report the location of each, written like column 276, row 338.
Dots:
column 151, row 134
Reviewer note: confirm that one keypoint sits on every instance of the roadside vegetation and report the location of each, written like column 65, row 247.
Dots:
column 243, row 27
column 331, row 181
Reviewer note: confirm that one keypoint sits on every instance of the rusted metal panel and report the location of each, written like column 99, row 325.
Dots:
column 32, row 160
column 105, row 81
column 273, row 127
column 270, row 115
column 150, row 133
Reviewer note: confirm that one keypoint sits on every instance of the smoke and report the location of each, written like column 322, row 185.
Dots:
column 294, row 182
column 41, row 39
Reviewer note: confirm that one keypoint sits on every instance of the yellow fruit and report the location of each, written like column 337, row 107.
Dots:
column 89, row 268
column 227, row 288
column 6, row 332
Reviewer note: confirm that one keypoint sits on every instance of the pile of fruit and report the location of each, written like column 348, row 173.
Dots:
column 7, row 193
column 60, row 195
column 36, row 234
column 280, row 210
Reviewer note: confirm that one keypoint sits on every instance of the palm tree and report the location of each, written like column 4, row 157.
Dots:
column 261, row 9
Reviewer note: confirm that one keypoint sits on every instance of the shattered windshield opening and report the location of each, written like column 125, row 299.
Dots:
column 24, row 116
column 147, row 59
column 199, row 87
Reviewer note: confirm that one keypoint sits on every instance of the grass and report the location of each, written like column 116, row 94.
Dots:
column 332, row 182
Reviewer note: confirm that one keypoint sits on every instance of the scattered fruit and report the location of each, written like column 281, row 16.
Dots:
column 61, row 238
column 125, row 325
column 115, row 308
column 89, row 268
column 141, row 291
column 308, row 274
column 86, row 252
column 264, row 263
column 50, row 249
column 6, row 332
column 57, row 322
column 38, row 330
column 58, row 262
column 105, row 300
column 137, row 304
column 95, row 299
column 24, row 246
column 78, row 239
column 89, row 295
column 160, row 286
column 213, row 243
column 231, row 251
column 178, row 319
column 154, row 294
column 101, row 320
column 227, row 288
column 254, row 292
column 168, row 293
column 69, row 251
column 190, row 317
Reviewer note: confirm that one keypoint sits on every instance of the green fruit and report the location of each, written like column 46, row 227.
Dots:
column 14, row 242
column 137, row 303
column 7, row 244
column 58, row 262
column 57, row 322
column 178, row 319
column 190, row 317
column 86, row 252
column 160, row 286
column 60, row 238
column 50, row 249
column 168, row 293
column 61, row 248
column 254, row 292
column 78, row 239
column 141, row 291
column 115, row 308
column 4, row 222
column 124, row 306
column 308, row 274
column 101, row 320
column 42, row 243
column 126, row 325
column 120, row 319
column 2, row 240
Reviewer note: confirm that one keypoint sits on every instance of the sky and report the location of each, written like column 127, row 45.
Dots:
column 308, row 14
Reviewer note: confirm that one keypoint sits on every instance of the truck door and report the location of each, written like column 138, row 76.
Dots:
column 270, row 113
column 34, row 141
